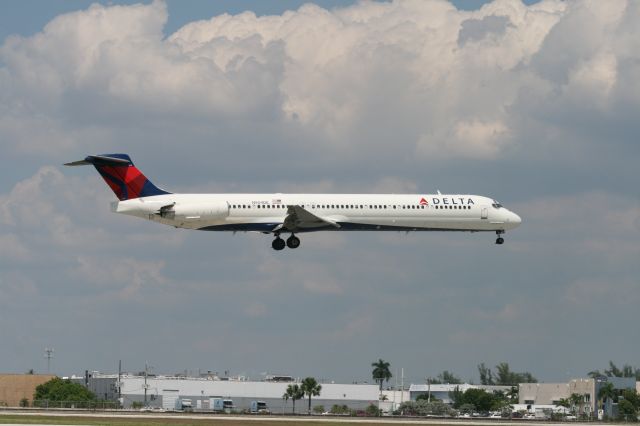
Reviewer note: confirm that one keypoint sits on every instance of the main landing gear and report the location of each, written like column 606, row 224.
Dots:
column 279, row 243
column 499, row 240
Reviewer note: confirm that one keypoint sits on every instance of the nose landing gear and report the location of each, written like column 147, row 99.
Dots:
column 499, row 240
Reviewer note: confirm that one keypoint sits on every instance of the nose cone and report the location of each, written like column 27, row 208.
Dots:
column 514, row 219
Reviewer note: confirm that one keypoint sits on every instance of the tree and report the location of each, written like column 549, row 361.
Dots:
column 486, row 377
column 339, row 409
column 423, row 408
column 446, row 377
column 425, row 397
column 381, row 372
column 294, row 392
column 606, row 392
column 576, row 400
column 506, row 377
column 456, row 396
column 479, row 398
column 512, row 394
column 467, row 408
column 57, row 389
column 372, row 411
column 595, row 374
column 310, row 387
column 627, row 411
column 564, row 402
column 613, row 371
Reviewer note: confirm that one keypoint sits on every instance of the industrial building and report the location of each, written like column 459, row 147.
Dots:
column 443, row 391
column 167, row 391
column 552, row 393
column 16, row 387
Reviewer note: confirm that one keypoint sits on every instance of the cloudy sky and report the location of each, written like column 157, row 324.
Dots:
column 534, row 104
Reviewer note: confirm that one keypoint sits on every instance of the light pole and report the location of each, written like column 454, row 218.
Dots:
column 48, row 355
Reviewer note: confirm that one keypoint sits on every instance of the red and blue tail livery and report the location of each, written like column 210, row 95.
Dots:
column 277, row 213
column 124, row 179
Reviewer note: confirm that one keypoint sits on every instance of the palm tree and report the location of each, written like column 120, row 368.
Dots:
column 576, row 400
column 294, row 392
column 310, row 387
column 381, row 372
column 606, row 392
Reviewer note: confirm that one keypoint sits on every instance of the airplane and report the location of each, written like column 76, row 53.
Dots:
column 279, row 214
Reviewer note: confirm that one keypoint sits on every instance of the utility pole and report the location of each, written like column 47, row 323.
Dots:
column 119, row 379
column 429, row 389
column 48, row 355
column 146, row 386
column 402, row 386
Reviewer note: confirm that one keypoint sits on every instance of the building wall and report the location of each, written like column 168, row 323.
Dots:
column 14, row 387
column 586, row 388
column 542, row 393
column 104, row 388
column 355, row 396
column 443, row 391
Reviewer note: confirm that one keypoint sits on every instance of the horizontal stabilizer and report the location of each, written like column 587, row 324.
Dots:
column 100, row 160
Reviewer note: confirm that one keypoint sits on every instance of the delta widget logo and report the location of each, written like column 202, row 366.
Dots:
column 424, row 202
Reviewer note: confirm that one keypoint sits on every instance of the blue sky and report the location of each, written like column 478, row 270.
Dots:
column 533, row 104
column 18, row 17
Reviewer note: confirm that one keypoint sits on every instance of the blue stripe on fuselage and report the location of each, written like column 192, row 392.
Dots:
column 344, row 226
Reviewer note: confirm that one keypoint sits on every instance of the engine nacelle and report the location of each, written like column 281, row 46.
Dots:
column 214, row 210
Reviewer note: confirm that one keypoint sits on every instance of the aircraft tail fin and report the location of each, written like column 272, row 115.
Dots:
column 124, row 179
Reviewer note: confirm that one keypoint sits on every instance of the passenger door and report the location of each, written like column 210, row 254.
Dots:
column 484, row 213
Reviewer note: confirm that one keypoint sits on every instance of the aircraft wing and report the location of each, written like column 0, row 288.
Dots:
column 300, row 218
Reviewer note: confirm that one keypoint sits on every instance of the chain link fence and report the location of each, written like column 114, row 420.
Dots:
column 80, row 405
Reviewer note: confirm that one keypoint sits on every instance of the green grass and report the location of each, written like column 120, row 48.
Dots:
column 116, row 421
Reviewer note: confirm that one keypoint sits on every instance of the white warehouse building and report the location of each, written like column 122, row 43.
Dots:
column 163, row 391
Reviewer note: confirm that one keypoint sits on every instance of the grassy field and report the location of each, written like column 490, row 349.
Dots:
column 115, row 421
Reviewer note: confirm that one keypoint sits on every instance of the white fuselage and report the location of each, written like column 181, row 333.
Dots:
column 266, row 212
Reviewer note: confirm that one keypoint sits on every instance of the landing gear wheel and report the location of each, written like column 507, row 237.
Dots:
column 500, row 240
column 278, row 244
column 293, row 242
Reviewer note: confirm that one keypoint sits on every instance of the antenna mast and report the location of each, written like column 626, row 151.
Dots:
column 48, row 354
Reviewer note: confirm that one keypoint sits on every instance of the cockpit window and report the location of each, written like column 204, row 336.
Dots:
column 496, row 204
